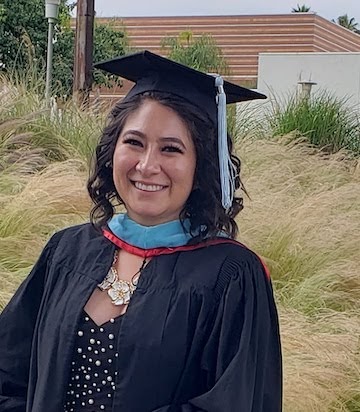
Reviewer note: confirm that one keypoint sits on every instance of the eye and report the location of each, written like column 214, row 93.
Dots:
column 172, row 149
column 133, row 141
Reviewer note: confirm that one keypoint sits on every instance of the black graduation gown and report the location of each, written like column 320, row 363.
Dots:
column 200, row 333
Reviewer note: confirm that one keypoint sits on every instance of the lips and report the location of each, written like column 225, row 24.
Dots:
column 148, row 187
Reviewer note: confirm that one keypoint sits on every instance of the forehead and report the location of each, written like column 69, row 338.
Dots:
column 156, row 115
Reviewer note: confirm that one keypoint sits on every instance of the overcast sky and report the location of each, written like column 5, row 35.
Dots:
column 330, row 9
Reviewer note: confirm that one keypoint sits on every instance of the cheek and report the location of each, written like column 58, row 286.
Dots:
column 179, row 169
column 122, row 162
column 185, row 175
column 119, row 172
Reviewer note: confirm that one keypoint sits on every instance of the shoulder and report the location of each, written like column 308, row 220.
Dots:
column 225, row 250
column 84, row 230
column 242, row 271
column 76, row 239
column 80, row 249
column 239, row 254
column 218, row 262
column 71, row 234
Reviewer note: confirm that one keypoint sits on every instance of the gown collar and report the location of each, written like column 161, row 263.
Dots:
column 164, row 239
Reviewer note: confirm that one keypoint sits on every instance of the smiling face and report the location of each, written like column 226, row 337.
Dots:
column 154, row 164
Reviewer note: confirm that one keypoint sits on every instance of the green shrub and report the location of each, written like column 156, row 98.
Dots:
column 199, row 52
column 325, row 120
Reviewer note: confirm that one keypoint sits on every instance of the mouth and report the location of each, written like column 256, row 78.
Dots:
column 148, row 188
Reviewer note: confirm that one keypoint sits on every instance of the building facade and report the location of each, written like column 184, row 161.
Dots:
column 241, row 38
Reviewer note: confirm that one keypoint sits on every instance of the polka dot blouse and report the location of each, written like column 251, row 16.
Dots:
column 93, row 370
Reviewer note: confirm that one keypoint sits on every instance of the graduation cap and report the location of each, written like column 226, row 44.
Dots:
column 151, row 72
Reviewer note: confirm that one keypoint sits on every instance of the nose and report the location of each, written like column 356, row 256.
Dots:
column 149, row 163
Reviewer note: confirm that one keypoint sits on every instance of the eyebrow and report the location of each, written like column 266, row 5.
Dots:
column 166, row 139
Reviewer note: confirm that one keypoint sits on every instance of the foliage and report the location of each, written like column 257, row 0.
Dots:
column 300, row 9
column 23, row 32
column 308, row 206
column 30, row 139
column 348, row 23
column 23, row 43
column 63, row 62
column 247, row 120
column 200, row 53
column 326, row 121
column 108, row 43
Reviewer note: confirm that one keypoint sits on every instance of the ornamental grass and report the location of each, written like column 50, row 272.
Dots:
column 303, row 218
column 325, row 120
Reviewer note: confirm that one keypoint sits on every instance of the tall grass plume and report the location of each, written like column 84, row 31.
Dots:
column 325, row 120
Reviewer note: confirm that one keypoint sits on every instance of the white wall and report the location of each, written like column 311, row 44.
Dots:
column 338, row 73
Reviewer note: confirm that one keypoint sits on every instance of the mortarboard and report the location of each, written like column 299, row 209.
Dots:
column 151, row 72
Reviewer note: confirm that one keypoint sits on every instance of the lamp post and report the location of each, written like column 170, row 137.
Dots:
column 51, row 13
column 306, row 88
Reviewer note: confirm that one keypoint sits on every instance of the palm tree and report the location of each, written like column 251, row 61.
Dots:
column 348, row 23
column 300, row 9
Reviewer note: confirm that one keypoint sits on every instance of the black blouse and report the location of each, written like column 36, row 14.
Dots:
column 93, row 368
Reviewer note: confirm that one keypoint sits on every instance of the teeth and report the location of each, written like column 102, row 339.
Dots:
column 148, row 188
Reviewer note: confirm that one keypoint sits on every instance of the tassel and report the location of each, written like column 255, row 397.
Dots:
column 227, row 169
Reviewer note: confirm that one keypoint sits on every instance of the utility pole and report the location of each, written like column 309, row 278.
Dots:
column 83, row 51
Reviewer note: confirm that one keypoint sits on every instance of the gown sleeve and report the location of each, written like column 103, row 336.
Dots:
column 17, row 324
column 242, row 357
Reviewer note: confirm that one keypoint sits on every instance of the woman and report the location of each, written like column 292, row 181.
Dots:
column 158, row 309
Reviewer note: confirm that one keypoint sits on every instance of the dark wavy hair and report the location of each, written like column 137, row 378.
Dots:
column 203, row 207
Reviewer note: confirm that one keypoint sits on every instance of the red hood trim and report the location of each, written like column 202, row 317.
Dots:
column 146, row 253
